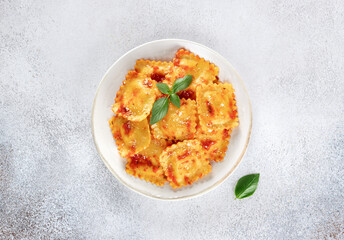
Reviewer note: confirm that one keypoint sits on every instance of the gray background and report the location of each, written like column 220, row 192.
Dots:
column 53, row 54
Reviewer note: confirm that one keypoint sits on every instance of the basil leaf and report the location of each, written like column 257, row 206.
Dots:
column 181, row 83
column 159, row 111
column 174, row 98
column 246, row 186
column 163, row 87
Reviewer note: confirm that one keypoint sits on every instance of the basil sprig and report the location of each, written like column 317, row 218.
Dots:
column 246, row 186
column 160, row 107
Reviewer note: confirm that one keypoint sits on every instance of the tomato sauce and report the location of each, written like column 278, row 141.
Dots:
column 122, row 109
column 127, row 128
column 138, row 160
column 157, row 77
column 187, row 94
column 206, row 144
column 187, row 153
column 233, row 114
column 148, row 83
column 170, row 175
column 117, row 136
column 210, row 108
column 225, row 134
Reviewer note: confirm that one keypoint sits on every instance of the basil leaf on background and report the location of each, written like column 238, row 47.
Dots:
column 246, row 186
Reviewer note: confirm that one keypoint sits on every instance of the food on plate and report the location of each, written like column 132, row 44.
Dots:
column 131, row 137
column 173, row 119
column 214, row 144
column 156, row 70
column 135, row 99
column 184, row 163
column 145, row 164
column 203, row 71
column 216, row 106
column 179, row 123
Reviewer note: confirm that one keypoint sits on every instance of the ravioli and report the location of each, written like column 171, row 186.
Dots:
column 176, row 73
column 145, row 164
column 131, row 137
column 156, row 70
column 203, row 71
column 179, row 123
column 215, row 143
column 216, row 106
column 184, row 163
column 136, row 97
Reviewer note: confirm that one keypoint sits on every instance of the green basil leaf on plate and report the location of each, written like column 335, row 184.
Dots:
column 163, row 87
column 181, row 83
column 159, row 111
column 175, row 100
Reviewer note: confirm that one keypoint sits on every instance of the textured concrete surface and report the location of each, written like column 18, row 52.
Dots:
column 54, row 185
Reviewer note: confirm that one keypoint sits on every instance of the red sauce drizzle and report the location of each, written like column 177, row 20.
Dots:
column 233, row 114
column 138, row 160
column 187, row 94
column 188, row 125
column 157, row 77
column 176, row 61
column 206, row 144
column 117, row 136
column 170, row 174
column 148, row 83
column 181, row 75
column 127, row 128
column 210, row 108
column 132, row 74
column 133, row 148
column 187, row 153
column 170, row 143
column 122, row 109
column 186, row 179
column 185, row 67
column 225, row 134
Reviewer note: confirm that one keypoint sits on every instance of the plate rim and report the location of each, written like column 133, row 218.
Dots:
column 212, row 187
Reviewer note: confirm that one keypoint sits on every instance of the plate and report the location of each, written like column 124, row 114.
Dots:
column 102, row 111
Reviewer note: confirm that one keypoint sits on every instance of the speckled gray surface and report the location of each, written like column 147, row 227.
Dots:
column 54, row 185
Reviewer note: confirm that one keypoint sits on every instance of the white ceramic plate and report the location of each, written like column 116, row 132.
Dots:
column 104, row 99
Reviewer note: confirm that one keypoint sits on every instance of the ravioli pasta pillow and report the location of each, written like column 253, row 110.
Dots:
column 156, row 70
column 202, row 71
column 184, row 163
column 214, row 143
column 131, row 137
column 135, row 99
column 145, row 164
column 216, row 106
